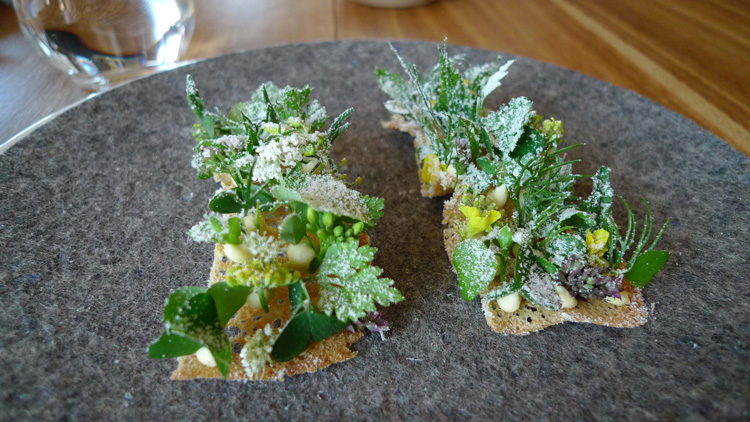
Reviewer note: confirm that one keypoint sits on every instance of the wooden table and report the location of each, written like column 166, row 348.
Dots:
column 692, row 56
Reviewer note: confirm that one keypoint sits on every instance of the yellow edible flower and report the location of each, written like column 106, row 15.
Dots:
column 597, row 242
column 430, row 166
column 478, row 223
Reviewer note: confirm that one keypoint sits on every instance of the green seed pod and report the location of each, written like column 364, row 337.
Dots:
column 328, row 219
column 338, row 231
column 312, row 215
column 322, row 235
column 309, row 150
column 348, row 232
column 358, row 227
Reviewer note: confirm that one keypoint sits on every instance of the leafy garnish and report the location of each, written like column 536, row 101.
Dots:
column 195, row 317
column 303, row 329
column 476, row 267
column 349, row 285
column 645, row 267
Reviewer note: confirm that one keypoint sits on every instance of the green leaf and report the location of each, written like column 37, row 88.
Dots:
column 296, row 296
column 228, row 299
column 194, row 98
column 503, row 290
column 472, row 133
column 294, row 340
column 323, row 326
column 505, row 239
column 294, row 100
column 507, row 124
column 375, row 205
column 476, row 267
column 486, row 165
column 493, row 82
column 190, row 318
column 548, row 266
column 235, row 230
column 258, row 194
column 226, row 202
column 293, row 229
column 338, row 126
column 600, row 200
column 349, row 285
column 208, row 123
column 646, row 266
column 284, row 194
column 271, row 114
column 303, row 329
column 565, row 245
column 172, row 345
column 530, row 143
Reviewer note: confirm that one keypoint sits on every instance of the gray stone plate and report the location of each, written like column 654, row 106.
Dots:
column 95, row 204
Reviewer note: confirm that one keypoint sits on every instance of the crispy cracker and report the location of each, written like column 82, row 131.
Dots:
column 444, row 180
column 530, row 318
column 319, row 355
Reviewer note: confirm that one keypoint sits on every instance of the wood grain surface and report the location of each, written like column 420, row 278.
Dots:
column 692, row 56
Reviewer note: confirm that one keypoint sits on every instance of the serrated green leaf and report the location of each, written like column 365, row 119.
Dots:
column 293, row 229
column 228, row 299
column 507, row 124
column 350, row 286
column 493, row 81
column 475, row 265
column 338, row 126
column 600, row 200
column 646, row 266
column 375, row 205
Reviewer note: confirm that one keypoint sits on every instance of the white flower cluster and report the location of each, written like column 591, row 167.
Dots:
column 233, row 142
column 256, row 353
column 263, row 248
column 279, row 154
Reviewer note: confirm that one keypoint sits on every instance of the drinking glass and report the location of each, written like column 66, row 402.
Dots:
column 102, row 42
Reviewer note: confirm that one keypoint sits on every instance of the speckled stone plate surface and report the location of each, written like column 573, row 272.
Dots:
column 94, row 207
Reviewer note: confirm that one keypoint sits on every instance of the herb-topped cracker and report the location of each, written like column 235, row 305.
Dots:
column 441, row 110
column 517, row 235
column 292, row 284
